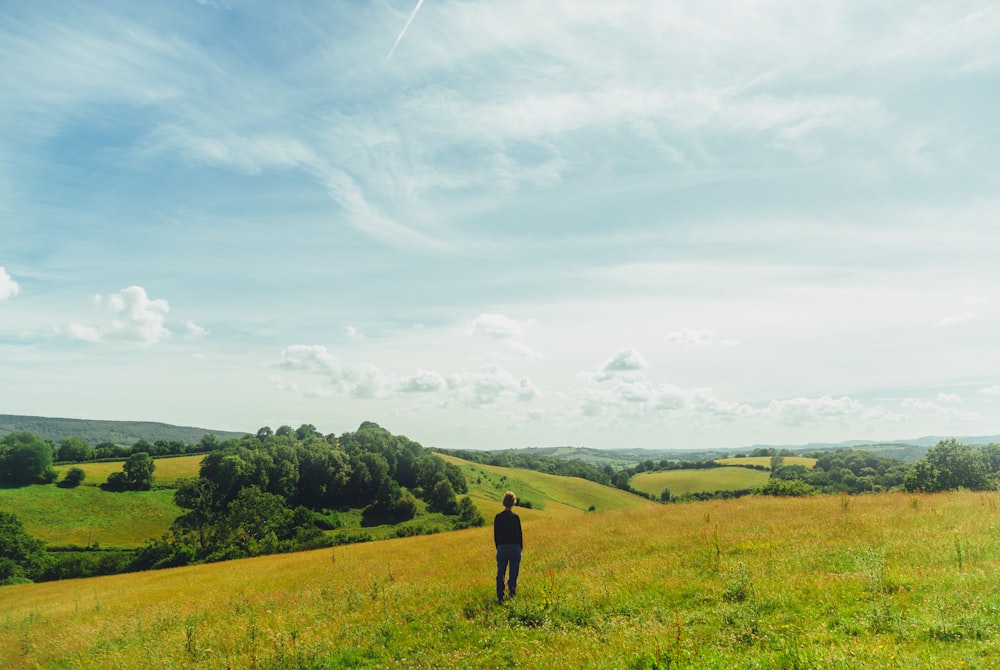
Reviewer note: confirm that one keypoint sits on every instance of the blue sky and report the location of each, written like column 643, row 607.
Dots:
column 505, row 224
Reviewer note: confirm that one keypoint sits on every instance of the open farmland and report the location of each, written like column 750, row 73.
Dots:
column 168, row 470
column 765, row 461
column 883, row 580
column 681, row 482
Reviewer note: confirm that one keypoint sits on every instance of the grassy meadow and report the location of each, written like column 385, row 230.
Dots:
column 86, row 515
column 552, row 494
column 765, row 461
column 681, row 482
column 882, row 580
column 168, row 470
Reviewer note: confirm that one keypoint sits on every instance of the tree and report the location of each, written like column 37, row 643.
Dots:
column 25, row 459
column 73, row 449
column 958, row 465
column 921, row 477
column 665, row 494
column 442, row 498
column 137, row 473
column 74, row 477
column 22, row 557
column 468, row 514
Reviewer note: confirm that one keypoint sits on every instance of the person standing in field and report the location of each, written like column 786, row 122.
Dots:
column 509, row 543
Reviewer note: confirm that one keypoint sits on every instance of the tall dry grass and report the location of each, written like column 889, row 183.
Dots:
column 887, row 581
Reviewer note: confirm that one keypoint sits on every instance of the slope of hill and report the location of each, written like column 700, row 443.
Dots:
column 96, row 431
column 551, row 493
column 888, row 581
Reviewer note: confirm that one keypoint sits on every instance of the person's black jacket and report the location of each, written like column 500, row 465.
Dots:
column 507, row 529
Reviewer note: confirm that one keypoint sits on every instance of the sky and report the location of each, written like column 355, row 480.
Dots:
column 488, row 225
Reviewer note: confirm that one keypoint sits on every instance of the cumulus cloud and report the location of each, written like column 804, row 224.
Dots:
column 8, row 287
column 133, row 318
column 355, row 380
column 422, row 381
column 487, row 386
column 624, row 360
column 692, row 337
column 991, row 390
column 636, row 396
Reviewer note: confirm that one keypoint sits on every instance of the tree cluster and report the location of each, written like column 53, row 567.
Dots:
column 25, row 459
column 952, row 465
column 270, row 492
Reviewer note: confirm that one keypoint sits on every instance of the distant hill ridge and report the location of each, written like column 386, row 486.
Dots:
column 96, row 431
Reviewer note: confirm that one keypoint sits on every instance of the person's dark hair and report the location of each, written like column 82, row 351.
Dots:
column 509, row 499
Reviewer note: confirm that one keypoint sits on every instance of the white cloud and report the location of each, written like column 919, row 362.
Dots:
column 489, row 385
column 355, row 380
column 8, row 287
column 624, row 360
column 133, row 318
column 991, row 390
column 194, row 330
column 498, row 326
column 422, row 381
column 698, row 338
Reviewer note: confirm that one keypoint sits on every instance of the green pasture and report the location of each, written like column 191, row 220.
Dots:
column 765, row 461
column 86, row 515
column 168, row 470
column 681, row 482
column 551, row 493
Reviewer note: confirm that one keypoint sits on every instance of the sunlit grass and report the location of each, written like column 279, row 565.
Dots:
column 551, row 493
column 86, row 515
column 765, row 461
column 681, row 482
column 887, row 581
column 168, row 470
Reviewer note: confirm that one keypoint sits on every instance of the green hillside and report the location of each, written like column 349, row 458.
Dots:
column 86, row 515
column 96, row 431
column 550, row 493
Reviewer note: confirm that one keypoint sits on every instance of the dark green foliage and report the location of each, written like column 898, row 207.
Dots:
column 468, row 515
column 951, row 465
column 25, row 459
column 73, row 450
column 136, row 474
column 786, row 487
column 22, row 557
column 74, row 477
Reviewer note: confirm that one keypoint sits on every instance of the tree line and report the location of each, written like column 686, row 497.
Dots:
column 271, row 492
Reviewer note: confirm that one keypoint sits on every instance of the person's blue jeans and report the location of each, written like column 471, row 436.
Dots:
column 508, row 557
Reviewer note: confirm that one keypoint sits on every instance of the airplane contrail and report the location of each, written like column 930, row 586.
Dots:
column 406, row 27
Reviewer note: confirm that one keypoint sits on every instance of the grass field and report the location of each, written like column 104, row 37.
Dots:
column 681, row 482
column 873, row 581
column 549, row 493
column 86, row 515
column 765, row 461
column 168, row 470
